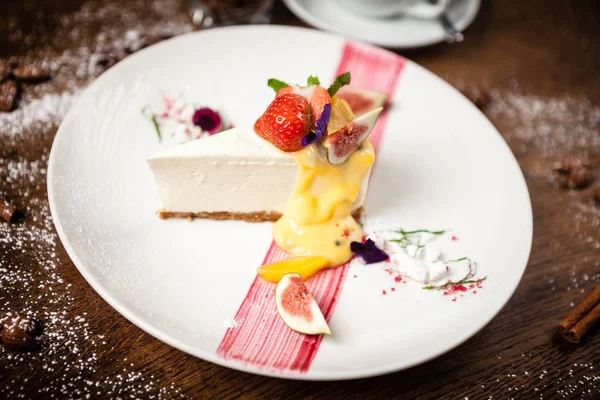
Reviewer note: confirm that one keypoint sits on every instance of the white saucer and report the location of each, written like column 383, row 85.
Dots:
column 397, row 32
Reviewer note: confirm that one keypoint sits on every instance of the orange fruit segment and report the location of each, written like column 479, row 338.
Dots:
column 306, row 266
column 341, row 114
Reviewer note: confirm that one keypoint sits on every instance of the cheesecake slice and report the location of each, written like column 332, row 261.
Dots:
column 230, row 175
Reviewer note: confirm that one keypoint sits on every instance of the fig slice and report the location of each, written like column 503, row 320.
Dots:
column 362, row 101
column 298, row 308
column 341, row 144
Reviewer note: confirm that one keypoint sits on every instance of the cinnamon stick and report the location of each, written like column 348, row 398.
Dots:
column 575, row 334
column 579, row 321
column 7, row 210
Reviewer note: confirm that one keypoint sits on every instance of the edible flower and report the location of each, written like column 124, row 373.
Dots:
column 208, row 120
column 322, row 122
column 368, row 251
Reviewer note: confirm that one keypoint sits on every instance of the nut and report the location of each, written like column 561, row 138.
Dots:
column 9, row 91
column 31, row 73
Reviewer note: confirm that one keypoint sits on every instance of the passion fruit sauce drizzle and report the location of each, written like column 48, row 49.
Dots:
column 317, row 219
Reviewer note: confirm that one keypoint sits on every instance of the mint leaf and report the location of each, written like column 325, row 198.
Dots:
column 313, row 80
column 276, row 84
column 340, row 80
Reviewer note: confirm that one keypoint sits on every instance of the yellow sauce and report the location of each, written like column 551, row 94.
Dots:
column 318, row 220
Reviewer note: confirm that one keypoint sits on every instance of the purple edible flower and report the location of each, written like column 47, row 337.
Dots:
column 321, row 127
column 368, row 251
column 208, row 120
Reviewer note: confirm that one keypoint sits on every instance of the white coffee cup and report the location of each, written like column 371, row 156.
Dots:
column 391, row 8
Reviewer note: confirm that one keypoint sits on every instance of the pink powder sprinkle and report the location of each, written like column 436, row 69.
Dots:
column 398, row 279
column 383, row 292
column 454, row 238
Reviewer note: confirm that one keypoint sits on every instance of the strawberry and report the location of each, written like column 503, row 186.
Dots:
column 316, row 95
column 285, row 122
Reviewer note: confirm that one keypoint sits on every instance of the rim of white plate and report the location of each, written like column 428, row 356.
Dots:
column 212, row 357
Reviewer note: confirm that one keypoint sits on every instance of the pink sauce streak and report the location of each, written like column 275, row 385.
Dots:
column 261, row 339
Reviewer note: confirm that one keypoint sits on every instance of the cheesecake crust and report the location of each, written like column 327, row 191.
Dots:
column 262, row 216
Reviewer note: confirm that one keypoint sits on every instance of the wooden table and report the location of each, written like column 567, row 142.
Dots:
column 539, row 63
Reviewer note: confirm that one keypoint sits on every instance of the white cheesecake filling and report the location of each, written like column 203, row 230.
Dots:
column 232, row 171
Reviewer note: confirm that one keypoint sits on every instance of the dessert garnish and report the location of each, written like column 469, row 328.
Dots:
column 427, row 257
column 405, row 237
column 343, row 143
column 285, row 123
column 362, row 100
column 459, row 285
column 208, row 120
column 306, row 266
column 321, row 127
column 179, row 121
column 368, row 251
column 317, row 220
column 340, row 81
column 298, row 308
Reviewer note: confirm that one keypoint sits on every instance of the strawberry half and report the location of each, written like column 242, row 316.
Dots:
column 316, row 95
column 285, row 122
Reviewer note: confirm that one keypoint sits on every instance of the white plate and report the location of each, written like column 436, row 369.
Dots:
column 441, row 164
column 399, row 32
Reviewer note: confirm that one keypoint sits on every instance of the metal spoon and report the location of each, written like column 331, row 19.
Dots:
column 452, row 34
column 202, row 15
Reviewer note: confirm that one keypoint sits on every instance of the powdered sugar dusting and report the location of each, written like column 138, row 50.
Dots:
column 33, row 272
column 37, row 114
column 552, row 125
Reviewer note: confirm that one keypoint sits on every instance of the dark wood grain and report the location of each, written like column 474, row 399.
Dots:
column 538, row 61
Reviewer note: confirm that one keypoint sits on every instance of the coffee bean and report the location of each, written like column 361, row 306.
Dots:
column 17, row 339
column 31, row 73
column 9, row 91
